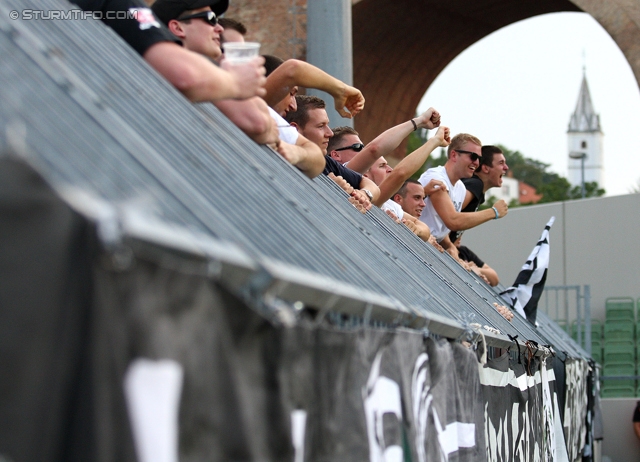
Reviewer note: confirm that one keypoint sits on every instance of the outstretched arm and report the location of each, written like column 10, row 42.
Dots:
column 457, row 221
column 348, row 100
column 390, row 139
column 305, row 155
column 419, row 228
column 200, row 80
column 410, row 165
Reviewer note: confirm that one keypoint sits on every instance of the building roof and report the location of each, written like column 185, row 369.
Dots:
column 528, row 194
column 584, row 118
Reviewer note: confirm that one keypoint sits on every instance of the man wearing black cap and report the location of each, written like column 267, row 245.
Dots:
column 195, row 24
column 197, row 78
column 180, row 16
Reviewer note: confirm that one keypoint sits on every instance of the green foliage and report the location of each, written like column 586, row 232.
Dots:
column 591, row 189
column 416, row 139
column 552, row 186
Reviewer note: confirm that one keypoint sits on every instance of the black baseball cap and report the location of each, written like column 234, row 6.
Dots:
column 166, row 10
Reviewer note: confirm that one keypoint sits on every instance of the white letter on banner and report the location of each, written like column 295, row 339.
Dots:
column 421, row 402
column 298, row 427
column 381, row 396
column 152, row 390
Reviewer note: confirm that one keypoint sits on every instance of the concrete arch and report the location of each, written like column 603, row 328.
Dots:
column 400, row 46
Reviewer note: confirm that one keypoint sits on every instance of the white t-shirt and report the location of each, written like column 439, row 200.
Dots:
column 456, row 193
column 288, row 134
column 394, row 207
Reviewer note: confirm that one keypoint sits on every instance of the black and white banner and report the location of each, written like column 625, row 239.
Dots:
column 521, row 418
column 575, row 411
column 152, row 363
column 525, row 293
column 184, row 370
column 383, row 397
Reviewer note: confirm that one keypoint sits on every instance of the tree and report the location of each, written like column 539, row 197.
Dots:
column 552, row 186
column 591, row 189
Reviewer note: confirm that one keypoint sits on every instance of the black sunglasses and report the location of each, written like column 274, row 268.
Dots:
column 473, row 155
column 356, row 147
column 208, row 16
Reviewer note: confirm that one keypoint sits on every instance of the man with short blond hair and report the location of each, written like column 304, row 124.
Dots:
column 442, row 212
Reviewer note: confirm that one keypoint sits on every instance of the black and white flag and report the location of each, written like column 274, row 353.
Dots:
column 526, row 290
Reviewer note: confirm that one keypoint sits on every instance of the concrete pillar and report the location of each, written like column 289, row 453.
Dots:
column 329, row 46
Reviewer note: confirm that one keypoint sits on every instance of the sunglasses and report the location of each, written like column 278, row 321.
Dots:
column 474, row 156
column 356, row 147
column 208, row 16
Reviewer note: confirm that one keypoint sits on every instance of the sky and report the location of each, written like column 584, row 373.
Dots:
column 519, row 86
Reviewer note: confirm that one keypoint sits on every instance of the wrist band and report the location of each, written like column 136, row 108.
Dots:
column 415, row 127
column 497, row 214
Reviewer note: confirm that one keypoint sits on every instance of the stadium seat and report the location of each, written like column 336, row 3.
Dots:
column 620, row 309
column 619, row 332
column 619, row 389
column 619, row 353
column 620, row 369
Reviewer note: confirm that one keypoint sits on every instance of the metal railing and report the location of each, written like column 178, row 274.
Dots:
column 569, row 304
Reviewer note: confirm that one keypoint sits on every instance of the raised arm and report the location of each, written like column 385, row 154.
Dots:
column 410, row 165
column 390, row 139
column 200, row 80
column 457, row 221
column 348, row 100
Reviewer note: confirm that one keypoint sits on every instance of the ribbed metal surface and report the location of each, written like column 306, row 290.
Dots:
column 95, row 116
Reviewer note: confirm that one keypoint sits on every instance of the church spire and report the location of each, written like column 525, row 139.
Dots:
column 584, row 118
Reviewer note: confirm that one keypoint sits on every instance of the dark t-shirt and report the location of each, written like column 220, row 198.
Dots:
column 335, row 167
column 466, row 254
column 476, row 187
column 132, row 20
column 636, row 413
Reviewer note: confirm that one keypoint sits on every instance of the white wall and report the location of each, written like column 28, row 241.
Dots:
column 593, row 241
column 620, row 443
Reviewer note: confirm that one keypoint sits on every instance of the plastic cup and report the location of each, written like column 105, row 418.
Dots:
column 240, row 52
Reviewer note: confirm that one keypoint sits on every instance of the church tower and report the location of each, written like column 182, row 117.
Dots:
column 585, row 136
